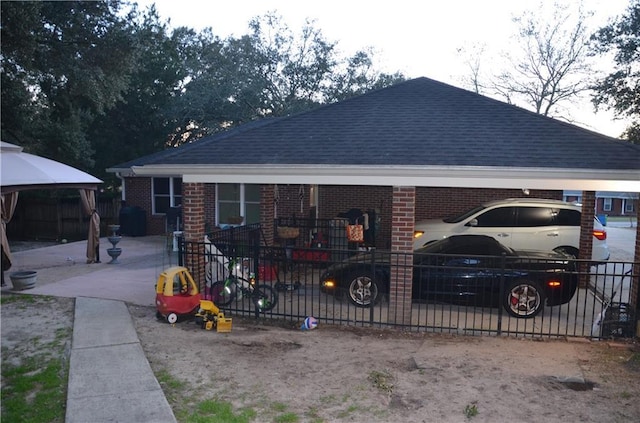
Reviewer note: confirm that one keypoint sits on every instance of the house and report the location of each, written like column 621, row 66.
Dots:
column 609, row 203
column 415, row 150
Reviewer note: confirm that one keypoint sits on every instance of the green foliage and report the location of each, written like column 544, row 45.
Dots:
column 287, row 418
column 34, row 386
column 471, row 410
column 620, row 89
column 63, row 63
column 97, row 84
column 211, row 411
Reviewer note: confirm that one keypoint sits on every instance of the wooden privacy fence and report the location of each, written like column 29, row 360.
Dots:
column 58, row 218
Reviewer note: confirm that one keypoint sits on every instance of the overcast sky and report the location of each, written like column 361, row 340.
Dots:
column 413, row 37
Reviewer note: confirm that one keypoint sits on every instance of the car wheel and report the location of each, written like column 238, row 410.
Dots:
column 524, row 299
column 362, row 290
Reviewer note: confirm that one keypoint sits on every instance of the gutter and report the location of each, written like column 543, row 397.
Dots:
column 419, row 176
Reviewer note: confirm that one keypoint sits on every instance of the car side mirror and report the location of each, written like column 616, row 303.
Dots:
column 472, row 222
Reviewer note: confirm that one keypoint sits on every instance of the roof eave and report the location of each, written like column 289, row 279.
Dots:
column 431, row 176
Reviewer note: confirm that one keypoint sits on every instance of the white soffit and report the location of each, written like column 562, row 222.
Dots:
column 433, row 176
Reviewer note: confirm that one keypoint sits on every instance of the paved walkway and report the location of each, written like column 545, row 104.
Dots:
column 110, row 379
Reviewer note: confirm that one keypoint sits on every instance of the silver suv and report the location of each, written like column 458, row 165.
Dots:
column 519, row 223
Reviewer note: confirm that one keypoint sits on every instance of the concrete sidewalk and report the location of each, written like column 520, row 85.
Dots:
column 110, row 379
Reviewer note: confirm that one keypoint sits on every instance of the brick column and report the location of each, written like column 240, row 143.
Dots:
column 586, row 234
column 402, row 224
column 193, row 220
column 267, row 212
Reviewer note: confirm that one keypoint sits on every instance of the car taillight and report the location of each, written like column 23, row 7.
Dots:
column 600, row 234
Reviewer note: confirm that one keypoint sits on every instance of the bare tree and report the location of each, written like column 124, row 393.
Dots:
column 548, row 66
column 473, row 59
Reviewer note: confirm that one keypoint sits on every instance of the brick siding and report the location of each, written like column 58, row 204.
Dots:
column 402, row 216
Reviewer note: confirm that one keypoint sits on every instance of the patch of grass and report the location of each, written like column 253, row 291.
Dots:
column 381, row 380
column 471, row 410
column 35, row 390
column 626, row 395
column 214, row 411
column 279, row 407
column 327, row 399
column 313, row 415
column 167, row 381
column 25, row 299
column 350, row 410
column 34, row 385
column 288, row 417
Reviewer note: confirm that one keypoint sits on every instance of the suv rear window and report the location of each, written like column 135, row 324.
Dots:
column 535, row 216
column 568, row 217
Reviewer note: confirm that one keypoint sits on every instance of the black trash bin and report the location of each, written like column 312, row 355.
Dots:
column 133, row 221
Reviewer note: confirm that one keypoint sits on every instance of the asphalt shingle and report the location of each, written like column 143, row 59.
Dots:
column 420, row 122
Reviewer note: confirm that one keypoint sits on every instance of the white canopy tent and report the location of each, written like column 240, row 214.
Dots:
column 20, row 171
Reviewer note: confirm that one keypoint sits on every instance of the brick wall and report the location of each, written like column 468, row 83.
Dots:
column 138, row 192
column 209, row 207
column 435, row 203
column 289, row 201
column 335, row 199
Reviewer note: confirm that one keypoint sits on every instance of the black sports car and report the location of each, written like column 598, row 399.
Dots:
column 464, row 269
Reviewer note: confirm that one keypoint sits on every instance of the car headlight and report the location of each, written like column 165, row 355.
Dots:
column 417, row 234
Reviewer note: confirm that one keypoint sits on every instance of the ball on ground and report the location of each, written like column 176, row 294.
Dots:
column 310, row 323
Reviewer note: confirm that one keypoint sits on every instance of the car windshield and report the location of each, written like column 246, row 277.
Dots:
column 463, row 216
column 471, row 245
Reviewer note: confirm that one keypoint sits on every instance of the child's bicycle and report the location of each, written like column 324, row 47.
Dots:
column 223, row 293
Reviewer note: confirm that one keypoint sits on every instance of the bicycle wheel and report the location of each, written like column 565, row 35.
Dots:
column 223, row 292
column 265, row 298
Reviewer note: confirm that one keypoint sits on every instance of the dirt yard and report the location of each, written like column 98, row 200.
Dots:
column 334, row 374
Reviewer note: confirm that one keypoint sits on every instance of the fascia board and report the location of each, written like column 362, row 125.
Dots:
column 432, row 176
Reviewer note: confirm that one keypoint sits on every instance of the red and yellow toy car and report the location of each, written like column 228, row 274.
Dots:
column 176, row 294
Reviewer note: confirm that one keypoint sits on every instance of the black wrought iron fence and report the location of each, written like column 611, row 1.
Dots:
column 451, row 294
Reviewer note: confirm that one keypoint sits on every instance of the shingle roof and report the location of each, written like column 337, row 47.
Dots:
column 420, row 122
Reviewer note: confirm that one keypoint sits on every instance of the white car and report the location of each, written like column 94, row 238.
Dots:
column 519, row 223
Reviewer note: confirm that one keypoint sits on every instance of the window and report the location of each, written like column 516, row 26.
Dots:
column 166, row 193
column 567, row 217
column 497, row 218
column 529, row 217
column 628, row 206
column 235, row 201
column 606, row 206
